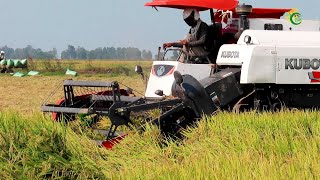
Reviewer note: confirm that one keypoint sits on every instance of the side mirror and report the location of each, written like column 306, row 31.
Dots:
column 138, row 69
column 159, row 52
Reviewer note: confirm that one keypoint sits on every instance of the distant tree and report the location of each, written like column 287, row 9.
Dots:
column 105, row 53
column 121, row 53
column 138, row 54
column 64, row 55
column 38, row 54
column 53, row 53
column 112, row 53
column 133, row 53
column 72, row 52
column 143, row 54
column 147, row 55
column 92, row 55
column 82, row 53
column 99, row 53
column 28, row 51
column 19, row 53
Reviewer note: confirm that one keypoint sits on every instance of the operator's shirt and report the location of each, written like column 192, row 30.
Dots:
column 199, row 35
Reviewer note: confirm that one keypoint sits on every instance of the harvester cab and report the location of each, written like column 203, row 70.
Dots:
column 264, row 63
column 161, row 77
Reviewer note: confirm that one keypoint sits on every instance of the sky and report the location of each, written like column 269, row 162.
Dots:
column 48, row 24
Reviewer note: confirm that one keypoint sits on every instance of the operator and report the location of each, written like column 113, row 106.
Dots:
column 3, row 57
column 196, row 43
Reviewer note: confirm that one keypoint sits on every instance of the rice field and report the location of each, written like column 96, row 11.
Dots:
column 227, row 146
column 250, row 145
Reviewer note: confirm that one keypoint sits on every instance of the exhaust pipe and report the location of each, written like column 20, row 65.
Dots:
column 243, row 11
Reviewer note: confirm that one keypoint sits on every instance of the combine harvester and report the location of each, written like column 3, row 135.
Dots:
column 264, row 63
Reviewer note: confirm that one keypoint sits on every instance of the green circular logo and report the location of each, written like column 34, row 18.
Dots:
column 295, row 18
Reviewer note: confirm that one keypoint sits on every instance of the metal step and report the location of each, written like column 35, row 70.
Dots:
column 88, row 83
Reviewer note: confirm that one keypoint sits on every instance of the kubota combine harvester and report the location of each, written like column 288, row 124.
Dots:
column 264, row 63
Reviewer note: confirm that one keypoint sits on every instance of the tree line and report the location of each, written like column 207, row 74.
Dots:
column 128, row 53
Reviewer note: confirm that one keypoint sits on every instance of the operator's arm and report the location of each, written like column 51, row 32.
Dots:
column 202, row 33
column 178, row 44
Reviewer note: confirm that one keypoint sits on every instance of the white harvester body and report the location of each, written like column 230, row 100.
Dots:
column 278, row 57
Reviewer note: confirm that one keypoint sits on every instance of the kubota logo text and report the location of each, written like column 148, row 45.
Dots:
column 230, row 54
column 298, row 64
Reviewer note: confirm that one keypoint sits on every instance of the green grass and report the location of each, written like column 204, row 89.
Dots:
column 285, row 145
column 38, row 148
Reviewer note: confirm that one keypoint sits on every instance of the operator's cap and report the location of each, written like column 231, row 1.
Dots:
column 2, row 52
column 188, row 12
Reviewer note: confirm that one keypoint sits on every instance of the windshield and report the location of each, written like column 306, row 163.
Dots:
column 172, row 55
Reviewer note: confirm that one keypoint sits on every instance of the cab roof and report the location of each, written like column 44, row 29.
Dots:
column 218, row 4
column 197, row 4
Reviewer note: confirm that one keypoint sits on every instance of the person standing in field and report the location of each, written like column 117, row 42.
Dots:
column 196, row 43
